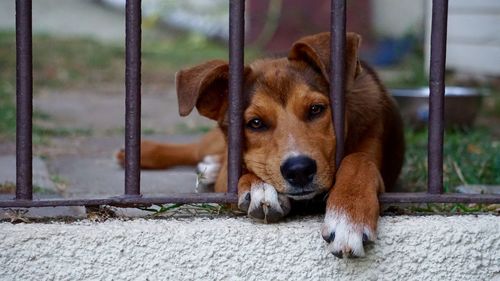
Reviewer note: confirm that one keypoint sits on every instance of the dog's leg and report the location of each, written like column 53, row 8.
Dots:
column 352, row 208
column 155, row 155
column 261, row 200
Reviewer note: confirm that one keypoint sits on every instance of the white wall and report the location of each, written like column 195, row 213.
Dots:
column 408, row 248
column 473, row 45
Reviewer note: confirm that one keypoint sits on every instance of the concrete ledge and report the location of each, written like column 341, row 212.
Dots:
column 408, row 248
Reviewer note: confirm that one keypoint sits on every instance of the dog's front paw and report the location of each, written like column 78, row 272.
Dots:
column 346, row 237
column 263, row 202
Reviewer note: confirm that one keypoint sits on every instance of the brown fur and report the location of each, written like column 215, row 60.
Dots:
column 281, row 92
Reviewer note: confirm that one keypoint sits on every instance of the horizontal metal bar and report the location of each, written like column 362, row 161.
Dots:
column 224, row 198
column 398, row 198
column 125, row 201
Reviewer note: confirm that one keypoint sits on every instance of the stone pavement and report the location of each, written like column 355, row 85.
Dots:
column 85, row 168
column 82, row 165
column 43, row 187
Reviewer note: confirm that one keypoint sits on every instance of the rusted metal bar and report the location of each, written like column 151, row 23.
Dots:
column 436, row 102
column 24, row 101
column 337, row 72
column 125, row 201
column 224, row 198
column 398, row 198
column 133, row 98
column 236, row 52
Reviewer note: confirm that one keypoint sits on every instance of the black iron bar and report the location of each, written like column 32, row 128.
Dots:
column 24, row 101
column 124, row 201
column 400, row 198
column 436, row 102
column 337, row 73
column 223, row 198
column 24, row 84
column 236, row 52
column 133, row 98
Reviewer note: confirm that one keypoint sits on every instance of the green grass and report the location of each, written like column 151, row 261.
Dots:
column 470, row 157
column 7, row 111
column 10, row 188
column 70, row 62
column 40, row 133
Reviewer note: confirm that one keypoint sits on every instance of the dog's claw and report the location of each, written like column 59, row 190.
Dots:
column 329, row 238
column 338, row 254
column 244, row 201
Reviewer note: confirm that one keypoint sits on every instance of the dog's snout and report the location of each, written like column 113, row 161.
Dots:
column 299, row 170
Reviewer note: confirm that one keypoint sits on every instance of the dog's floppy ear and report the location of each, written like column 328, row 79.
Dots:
column 315, row 50
column 206, row 87
column 203, row 86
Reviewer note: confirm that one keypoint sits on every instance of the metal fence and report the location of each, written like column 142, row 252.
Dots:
column 132, row 192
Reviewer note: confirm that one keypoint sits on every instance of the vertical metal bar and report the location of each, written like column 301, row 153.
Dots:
column 24, row 101
column 236, row 52
column 436, row 103
column 133, row 98
column 337, row 73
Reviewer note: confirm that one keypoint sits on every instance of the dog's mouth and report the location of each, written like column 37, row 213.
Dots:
column 301, row 195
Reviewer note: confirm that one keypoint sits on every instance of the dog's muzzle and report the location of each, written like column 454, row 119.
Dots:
column 299, row 171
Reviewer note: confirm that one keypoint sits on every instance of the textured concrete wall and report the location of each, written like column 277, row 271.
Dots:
column 408, row 248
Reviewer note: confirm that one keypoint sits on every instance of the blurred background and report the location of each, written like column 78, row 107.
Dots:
column 79, row 90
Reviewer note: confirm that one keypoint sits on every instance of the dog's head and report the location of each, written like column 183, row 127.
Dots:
column 289, row 136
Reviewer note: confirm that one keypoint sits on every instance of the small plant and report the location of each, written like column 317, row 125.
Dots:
column 100, row 213
column 180, row 209
column 18, row 215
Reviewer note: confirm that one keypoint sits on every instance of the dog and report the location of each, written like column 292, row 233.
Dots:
column 289, row 140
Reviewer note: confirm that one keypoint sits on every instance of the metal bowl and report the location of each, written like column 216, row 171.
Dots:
column 461, row 106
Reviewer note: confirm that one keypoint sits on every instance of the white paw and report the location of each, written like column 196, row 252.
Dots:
column 345, row 237
column 263, row 202
column 208, row 170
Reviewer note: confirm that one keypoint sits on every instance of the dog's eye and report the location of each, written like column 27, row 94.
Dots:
column 315, row 110
column 256, row 124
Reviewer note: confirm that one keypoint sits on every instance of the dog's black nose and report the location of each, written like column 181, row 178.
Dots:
column 299, row 170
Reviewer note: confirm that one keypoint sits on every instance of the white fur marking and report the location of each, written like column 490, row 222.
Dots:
column 348, row 235
column 291, row 154
column 264, row 194
column 208, row 169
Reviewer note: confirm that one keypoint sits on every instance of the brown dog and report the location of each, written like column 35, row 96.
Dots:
column 289, row 147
